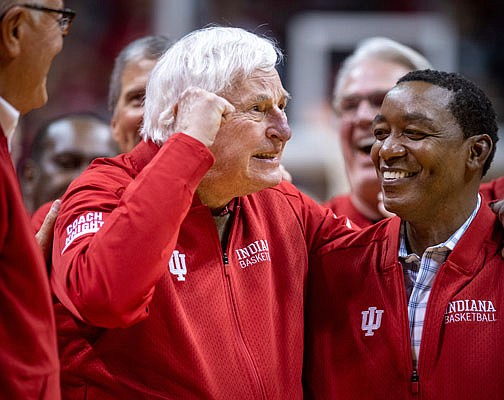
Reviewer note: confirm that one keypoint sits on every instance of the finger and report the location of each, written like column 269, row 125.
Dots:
column 45, row 235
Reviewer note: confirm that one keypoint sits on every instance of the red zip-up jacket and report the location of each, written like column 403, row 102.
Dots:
column 358, row 340
column 152, row 307
column 29, row 365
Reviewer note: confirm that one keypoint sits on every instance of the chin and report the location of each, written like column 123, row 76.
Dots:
column 39, row 101
column 265, row 183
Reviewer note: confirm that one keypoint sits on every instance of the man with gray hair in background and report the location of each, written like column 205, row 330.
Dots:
column 128, row 80
column 361, row 84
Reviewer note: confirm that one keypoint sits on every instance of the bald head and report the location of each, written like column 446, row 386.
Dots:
column 61, row 150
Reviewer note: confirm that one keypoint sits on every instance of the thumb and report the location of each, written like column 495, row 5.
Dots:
column 44, row 236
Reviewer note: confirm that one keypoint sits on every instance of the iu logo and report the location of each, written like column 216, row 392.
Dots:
column 177, row 265
column 371, row 320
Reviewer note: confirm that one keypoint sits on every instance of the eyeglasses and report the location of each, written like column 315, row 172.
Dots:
column 64, row 22
column 348, row 106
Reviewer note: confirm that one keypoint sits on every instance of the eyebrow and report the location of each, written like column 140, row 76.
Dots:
column 266, row 97
column 417, row 117
column 379, row 118
column 410, row 117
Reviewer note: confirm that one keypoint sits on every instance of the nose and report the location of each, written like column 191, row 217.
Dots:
column 365, row 113
column 278, row 126
column 392, row 147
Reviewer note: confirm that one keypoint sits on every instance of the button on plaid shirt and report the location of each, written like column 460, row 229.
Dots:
column 419, row 274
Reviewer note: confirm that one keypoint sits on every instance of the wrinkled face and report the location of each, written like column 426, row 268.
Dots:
column 420, row 151
column 249, row 144
column 360, row 98
column 127, row 118
column 69, row 148
column 42, row 41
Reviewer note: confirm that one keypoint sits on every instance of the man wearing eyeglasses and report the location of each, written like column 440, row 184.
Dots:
column 31, row 35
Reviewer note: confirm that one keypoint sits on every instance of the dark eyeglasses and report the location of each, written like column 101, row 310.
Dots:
column 64, row 22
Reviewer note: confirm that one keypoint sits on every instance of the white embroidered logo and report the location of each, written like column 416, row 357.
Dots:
column 369, row 324
column 253, row 253
column 470, row 311
column 90, row 222
column 178, row 265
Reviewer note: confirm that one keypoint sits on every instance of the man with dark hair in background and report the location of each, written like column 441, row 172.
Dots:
column 61, row 150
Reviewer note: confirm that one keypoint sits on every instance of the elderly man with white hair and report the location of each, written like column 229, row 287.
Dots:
column 179, row 267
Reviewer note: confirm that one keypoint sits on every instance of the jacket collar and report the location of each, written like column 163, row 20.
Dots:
column 482, row 236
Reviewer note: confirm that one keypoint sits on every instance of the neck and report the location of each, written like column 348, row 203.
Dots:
column 369, row 211
column 212, row 200
column 426, row 232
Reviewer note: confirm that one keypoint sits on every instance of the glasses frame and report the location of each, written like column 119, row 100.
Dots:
column 64, row 22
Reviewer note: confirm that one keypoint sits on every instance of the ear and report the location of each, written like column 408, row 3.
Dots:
column 10, row 31
column 113, row 129
column 480, row 147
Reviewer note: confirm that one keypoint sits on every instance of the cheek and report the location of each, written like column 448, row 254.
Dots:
column 345, row 137
column 132, row 119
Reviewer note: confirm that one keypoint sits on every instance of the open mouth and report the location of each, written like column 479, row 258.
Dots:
column 391, row 175
column 266, row 156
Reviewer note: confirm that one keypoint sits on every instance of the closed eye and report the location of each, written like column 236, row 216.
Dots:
column 380, row 134
column 415, row 135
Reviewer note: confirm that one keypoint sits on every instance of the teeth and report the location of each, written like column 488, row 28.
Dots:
column 265, row 155
column 396, row 175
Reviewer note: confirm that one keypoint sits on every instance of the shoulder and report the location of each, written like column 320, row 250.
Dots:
column 376, row 236
column 105, row 174
column 285, row 194
column 337, row 201
column 493, row 190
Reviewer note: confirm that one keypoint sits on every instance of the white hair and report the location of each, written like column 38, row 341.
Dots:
column 378, row 48
column 5, row 5
column 211, row 58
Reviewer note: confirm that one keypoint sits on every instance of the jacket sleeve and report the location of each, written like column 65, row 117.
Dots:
column 321, row 226
column 112, row 243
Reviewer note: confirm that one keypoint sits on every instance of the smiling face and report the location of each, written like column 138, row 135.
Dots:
column 128, row 113
column 360, row 97
column 249, row 144
column 68, row 148
column 40, row 40
column 420, row 154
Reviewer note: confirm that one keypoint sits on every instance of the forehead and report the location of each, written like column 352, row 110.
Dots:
column 371, row 75
column 418, row 97
column 137, row 70
column 265, row 84
column 78, row 135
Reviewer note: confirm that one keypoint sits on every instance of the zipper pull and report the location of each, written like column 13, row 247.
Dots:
column 415, row 385
column 225, row 260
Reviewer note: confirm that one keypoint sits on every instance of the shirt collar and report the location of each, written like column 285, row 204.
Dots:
column 452, row 240
column 9, row 117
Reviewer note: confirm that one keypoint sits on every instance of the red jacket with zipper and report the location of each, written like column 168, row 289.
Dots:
column 29, row 366
column 135, row 321
column 352, row 356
